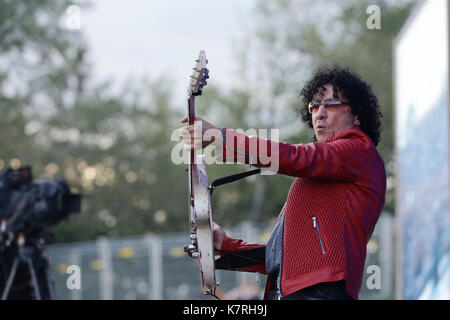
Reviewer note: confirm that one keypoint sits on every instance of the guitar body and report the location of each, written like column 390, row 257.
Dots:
column 203, row 225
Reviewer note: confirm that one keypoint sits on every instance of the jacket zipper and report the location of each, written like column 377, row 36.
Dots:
column 318, row 233
column 280, row 294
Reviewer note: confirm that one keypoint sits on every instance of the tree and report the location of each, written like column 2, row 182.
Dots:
column 113, row 148
column 35, row 49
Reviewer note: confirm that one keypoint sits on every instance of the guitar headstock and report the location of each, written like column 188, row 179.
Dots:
column 199, row 75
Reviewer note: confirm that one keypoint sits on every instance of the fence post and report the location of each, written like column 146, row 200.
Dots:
column 155, row 263
column 106, row 273
column 75, row 259
column 386, row 254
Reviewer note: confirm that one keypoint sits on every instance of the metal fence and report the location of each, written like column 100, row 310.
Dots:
column 155, row 267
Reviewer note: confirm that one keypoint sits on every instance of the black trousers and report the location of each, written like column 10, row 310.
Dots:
column 321, row 291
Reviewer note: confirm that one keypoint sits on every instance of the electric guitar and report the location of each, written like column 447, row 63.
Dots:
column 200, row 215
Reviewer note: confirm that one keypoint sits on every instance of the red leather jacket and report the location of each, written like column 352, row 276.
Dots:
column 331, row 209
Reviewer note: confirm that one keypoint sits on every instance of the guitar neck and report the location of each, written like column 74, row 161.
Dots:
column 191, row 119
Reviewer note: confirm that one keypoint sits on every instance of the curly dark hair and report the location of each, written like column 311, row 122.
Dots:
column 356, row 91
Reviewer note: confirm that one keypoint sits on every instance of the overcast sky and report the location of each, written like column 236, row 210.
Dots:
column 137, row 37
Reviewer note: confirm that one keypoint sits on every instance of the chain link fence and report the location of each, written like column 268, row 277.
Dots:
column 155, row 267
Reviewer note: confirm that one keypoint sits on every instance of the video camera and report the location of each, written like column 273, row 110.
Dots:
column 27, row 208
column 28, row 205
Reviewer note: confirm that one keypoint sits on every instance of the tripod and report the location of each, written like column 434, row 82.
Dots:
column 37, row 264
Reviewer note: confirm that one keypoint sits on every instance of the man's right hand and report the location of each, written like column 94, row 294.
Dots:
column 200, row 134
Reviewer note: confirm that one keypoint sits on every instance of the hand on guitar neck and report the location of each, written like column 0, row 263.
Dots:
column 200, row 134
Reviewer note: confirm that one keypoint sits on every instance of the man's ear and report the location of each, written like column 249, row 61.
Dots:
column 356, row 122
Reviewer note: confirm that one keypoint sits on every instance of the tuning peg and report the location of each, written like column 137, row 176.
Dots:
column 191, row 250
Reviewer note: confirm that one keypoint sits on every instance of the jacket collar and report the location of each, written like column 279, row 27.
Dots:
column 339, row 134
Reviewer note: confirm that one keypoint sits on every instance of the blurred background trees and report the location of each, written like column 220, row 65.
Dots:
column 115, row 147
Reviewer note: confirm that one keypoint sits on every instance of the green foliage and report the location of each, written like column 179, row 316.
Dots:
column 116, row 151
column 113, row 148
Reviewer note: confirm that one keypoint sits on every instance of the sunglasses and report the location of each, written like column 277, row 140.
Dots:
column 330, row 105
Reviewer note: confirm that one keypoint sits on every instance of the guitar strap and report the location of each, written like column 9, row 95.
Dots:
column 235, row 260
column 232, row 178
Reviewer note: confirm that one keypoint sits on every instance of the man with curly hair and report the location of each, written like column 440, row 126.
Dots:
column 317, row 249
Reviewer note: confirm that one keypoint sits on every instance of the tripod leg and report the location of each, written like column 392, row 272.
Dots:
column 37, row 291
column 50, row 285
column 46, row 284
column 10, row 280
